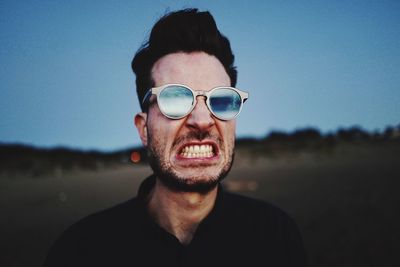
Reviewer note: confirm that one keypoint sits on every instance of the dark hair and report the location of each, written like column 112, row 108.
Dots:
column 186, row 30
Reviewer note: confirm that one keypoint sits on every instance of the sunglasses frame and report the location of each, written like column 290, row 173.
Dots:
column 157, row 90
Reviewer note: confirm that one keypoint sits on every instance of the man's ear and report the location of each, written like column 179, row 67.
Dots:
column 141, row 125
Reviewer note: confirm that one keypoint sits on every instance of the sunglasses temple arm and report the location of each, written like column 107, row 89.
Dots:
column 146, row 96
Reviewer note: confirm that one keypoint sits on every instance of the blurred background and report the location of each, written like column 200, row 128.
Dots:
column 319, row 136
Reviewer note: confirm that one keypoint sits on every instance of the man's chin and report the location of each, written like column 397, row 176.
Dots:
column 193, row 185
column 201, row 180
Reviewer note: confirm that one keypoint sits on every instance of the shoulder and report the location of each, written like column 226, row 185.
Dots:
column 95, row 233
column 248, row 206
column 267, row 226
column 115, row 216
column 258, row 216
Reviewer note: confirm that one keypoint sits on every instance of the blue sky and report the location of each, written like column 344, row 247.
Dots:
column 66, row 79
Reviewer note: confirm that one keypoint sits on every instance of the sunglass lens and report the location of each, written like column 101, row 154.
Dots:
column 225, row 103
column 175, row 101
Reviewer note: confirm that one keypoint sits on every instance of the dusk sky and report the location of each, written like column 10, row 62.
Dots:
column 66, row 78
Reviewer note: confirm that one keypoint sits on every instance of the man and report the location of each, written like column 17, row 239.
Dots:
column 185, row 81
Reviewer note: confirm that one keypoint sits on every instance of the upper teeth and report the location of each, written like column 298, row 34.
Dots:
column 196, row 151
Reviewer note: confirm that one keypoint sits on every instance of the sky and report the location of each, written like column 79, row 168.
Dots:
column 65, row 76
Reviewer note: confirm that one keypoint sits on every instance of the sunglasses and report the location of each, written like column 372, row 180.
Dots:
column 177, row 101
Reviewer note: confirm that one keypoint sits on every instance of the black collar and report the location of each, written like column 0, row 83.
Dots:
column 213, row 218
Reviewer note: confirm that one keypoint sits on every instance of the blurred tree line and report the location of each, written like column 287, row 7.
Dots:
column 312, row 140
column 18, row 160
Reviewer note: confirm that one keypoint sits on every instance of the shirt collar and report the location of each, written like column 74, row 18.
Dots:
column 213, row 218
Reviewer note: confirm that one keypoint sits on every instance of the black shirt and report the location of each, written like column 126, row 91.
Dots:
column 239, row 231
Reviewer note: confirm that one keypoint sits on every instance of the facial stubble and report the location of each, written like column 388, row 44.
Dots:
column 173, row 180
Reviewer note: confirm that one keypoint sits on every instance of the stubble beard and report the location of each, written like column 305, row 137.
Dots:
column 176, row 182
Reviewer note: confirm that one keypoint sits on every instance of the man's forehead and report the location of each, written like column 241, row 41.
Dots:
column 196, row 68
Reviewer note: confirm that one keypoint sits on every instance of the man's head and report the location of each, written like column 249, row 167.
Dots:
column 187, row 31
column 193, row 152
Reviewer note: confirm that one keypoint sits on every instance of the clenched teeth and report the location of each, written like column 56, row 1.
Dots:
column 197, row 151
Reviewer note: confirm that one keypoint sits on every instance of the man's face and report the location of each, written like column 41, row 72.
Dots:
column 193, row 153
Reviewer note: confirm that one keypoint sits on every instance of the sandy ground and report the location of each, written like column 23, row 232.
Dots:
column 346, row 204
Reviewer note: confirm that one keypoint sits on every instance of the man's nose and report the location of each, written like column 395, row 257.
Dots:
column 200, row 117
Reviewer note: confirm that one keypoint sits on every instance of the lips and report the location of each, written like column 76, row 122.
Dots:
column 191, row 151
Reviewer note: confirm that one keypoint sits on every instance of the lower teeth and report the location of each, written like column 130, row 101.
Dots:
column 198, row 155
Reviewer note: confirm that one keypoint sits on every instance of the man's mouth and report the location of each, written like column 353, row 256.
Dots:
column 197, row 151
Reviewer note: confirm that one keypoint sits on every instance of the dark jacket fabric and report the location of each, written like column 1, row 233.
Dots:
column 239, row 231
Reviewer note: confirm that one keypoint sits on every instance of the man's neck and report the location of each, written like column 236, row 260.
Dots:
column 180, row 213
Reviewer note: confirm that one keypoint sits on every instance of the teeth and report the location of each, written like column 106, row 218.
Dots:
column 196, row 151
